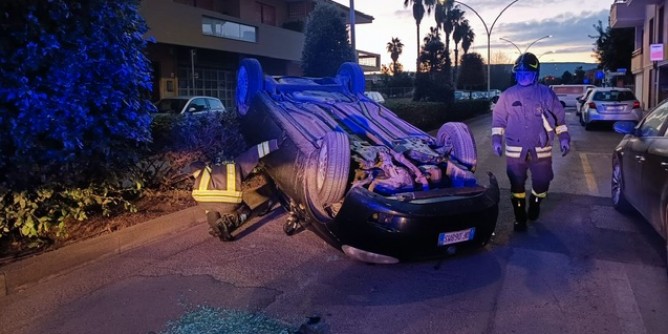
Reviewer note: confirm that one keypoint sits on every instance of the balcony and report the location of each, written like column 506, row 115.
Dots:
column 177, row 24
column 628, row 13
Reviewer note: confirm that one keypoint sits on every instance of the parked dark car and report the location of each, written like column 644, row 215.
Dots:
column 180, row 105
column 361, row 178
column 640, row 168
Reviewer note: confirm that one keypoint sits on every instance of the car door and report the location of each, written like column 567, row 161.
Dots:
column 197, row 105
column 655, row 176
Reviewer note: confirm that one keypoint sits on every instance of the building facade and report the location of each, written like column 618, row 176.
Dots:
column 651, row 37
column 199, row 43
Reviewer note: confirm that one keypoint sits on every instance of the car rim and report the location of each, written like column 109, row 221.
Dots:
column 322, row 168
column 616, row 183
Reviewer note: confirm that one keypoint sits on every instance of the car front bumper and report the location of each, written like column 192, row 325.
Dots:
column 409, row 226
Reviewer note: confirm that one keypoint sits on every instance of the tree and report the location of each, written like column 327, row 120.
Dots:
column 451, row 18
column 467, row 40
column 326, row 44
column 418, row 14
column 613, row 47
column 472, row 75
column 567, row 77
column 74, row 91
column 432, row 57
column 395, row 47
column 579, row 75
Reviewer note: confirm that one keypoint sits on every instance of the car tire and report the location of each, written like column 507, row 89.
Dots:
column 619, row 201
column 327, row 172
column 459, row 136
column 563, row 105
column 250, row 79
column 351, row 75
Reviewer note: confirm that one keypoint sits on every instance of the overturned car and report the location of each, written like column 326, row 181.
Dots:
column 361, row 178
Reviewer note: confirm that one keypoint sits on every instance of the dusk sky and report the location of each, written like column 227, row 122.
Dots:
column 570, row 22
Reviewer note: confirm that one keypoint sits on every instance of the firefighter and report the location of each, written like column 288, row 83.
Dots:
column 528, row 115
column 220, row 186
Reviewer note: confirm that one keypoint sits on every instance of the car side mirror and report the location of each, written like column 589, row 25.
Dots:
column 625, row 127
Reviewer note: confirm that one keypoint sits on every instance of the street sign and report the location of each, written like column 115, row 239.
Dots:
column 656, row 52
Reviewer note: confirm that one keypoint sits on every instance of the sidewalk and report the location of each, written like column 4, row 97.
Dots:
column 16, row 276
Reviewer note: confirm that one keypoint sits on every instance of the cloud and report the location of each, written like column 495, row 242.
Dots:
column 569, row 29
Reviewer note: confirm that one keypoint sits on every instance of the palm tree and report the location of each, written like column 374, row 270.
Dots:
column 395, row 48
column 432, row 56
column 460, row 30
column 467, row 40
column 418, row 14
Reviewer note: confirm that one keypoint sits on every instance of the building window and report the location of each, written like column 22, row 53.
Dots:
column 651, row 31
column 661, row 27
column 227, row 29
column 206, row 4
column 296, row 10
column 266, row 13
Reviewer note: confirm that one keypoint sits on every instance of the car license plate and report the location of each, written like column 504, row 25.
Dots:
column 448, row 238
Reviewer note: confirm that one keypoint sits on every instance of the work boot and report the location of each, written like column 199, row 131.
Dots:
column 519, row 208
column 217, row 226
column 534, row 207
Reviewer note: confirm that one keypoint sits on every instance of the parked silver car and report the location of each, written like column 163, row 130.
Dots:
column 189, row 104
column 609, row 104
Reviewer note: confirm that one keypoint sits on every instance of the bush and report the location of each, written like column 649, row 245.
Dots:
column 40, row 214
column 431, row 115
column 180, row 141
column 74, row 91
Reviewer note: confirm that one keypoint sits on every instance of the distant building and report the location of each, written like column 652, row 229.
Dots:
column 200, row 42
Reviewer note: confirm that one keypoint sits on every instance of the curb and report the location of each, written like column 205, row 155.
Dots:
column 18, row 275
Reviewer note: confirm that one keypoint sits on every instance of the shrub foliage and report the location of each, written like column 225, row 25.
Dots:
column 74, row 110
column 73, row 93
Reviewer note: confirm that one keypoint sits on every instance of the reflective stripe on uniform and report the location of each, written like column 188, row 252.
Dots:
column 561, row 129
column 546, row 124
column 263, row 149
column 498, row 131
column 541, row 195
column 516, row 152
column 229, row 195
column 519, row 195
column 513, row 151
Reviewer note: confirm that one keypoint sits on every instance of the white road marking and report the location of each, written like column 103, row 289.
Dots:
column 589, row 175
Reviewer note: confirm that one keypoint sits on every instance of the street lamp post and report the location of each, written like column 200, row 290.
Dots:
column 536, row 41
column 488, row 30
column 515, row 45
column 545, row 53
column 527, row 48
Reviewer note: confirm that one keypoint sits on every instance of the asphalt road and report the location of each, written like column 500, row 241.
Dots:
column 582, row 268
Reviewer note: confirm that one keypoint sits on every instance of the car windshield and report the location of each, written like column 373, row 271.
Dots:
column 170, row 106
column 614, row 96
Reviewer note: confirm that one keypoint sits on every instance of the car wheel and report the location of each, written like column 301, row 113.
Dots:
column 458, row 136
column 351, row 75
column 563, row 105
column 250, row 80
column 327, row 172
column 617, row 188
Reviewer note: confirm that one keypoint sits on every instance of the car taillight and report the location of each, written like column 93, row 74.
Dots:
column 636, row 105
column 592, row 105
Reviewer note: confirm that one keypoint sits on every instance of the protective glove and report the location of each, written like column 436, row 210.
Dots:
column 564, row 143
column 497, row 146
